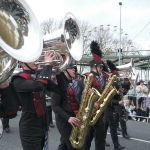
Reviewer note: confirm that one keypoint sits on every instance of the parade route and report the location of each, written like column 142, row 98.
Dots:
column 140, row 137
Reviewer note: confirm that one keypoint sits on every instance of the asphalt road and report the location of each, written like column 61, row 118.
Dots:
column 139, row 131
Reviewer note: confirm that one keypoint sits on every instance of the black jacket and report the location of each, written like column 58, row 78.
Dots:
column 10, row 102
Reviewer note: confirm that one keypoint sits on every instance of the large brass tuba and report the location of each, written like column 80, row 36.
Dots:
column 20, row 37
column 65, row 41
column 78, row 133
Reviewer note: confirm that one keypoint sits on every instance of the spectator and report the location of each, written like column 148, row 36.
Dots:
column 129, row 108
column 132, row 92
column 142, row 94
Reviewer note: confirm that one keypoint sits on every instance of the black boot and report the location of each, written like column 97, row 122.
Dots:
column 106, row 144
column 126, row 136
column 119, row 147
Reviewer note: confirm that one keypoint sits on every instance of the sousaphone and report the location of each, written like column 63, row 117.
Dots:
column 20, row 37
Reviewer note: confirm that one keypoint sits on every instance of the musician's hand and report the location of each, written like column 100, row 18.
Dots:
column 90, row 91
column 121, row 103
column 48, row 57
column 4, row 84
column 96, row 105
column 111, row 87
column 74, row 121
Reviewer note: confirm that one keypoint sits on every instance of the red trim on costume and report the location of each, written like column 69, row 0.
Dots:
column 115, row 72
column 105, row 75
column 25, row 75
column 12, row 112
column 35, row 95
column 95, row 82
column 71, row 99
column 42, row 80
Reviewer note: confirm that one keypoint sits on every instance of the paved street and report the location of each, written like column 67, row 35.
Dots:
column 139, row 131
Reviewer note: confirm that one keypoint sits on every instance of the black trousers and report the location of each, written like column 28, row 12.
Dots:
column 5, row 123
column 110, row 121
column 98, row 133
column 49, row 109
column 119, row 117
column 32, row 131
column 64, row 129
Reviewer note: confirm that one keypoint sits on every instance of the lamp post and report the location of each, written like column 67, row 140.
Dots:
column 120, row 3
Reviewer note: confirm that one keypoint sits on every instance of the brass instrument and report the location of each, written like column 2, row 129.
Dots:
column 104, row 99
column 128, row 69
column 78, row 133
column 20, row 38
column 66, row 41
column 1, row 128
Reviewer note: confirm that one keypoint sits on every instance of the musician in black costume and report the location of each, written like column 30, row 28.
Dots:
column 31, row 87
column 10, row 101
column 97, row 131
column 124, row 86
column 119, row 115
column 108, row 113
column 66, row 105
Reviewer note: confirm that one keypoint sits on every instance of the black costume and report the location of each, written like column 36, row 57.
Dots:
column 10, row 102
column 120, row 110
column 64, row 107
column 108, row 113
column 49, row 108
column 33, row 124
column 96, row 131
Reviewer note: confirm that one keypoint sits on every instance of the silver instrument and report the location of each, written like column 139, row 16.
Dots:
column 20, row 36
column 65, row 41
column 1, row 128
column 128, row 69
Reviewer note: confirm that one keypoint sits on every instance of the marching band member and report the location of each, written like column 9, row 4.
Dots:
column 10, row 100
column 124, row 86
column 33, row 125
column 66, row 106
column 97, row 131
column 108, row 113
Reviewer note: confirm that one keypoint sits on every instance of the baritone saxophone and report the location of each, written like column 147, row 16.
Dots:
column 78, row 133
column 103, row 100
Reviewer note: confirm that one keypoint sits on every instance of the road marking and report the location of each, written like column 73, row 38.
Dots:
column 135, row 139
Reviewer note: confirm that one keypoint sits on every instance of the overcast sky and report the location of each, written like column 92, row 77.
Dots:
column 135, row 14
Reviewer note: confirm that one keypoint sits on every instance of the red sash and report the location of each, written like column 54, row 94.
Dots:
column 35, row 96
column 71, row 99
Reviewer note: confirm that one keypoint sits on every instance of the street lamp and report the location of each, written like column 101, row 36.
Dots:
column 120, row 3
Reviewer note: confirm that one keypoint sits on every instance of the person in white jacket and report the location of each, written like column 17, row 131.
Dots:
column 142, row 94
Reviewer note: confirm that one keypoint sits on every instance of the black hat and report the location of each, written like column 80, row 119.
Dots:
column 141, row 81
column 112, row 67
column 96, row 53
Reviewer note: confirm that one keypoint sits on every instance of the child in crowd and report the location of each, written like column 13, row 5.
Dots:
column 129, row 107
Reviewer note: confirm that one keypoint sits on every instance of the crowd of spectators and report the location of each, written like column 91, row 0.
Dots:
column 137, row 101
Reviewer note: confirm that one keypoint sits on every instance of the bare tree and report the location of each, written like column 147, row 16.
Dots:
column 50, row 25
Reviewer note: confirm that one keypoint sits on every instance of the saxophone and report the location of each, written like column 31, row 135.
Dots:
column 78, row 133
column 104, row 99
